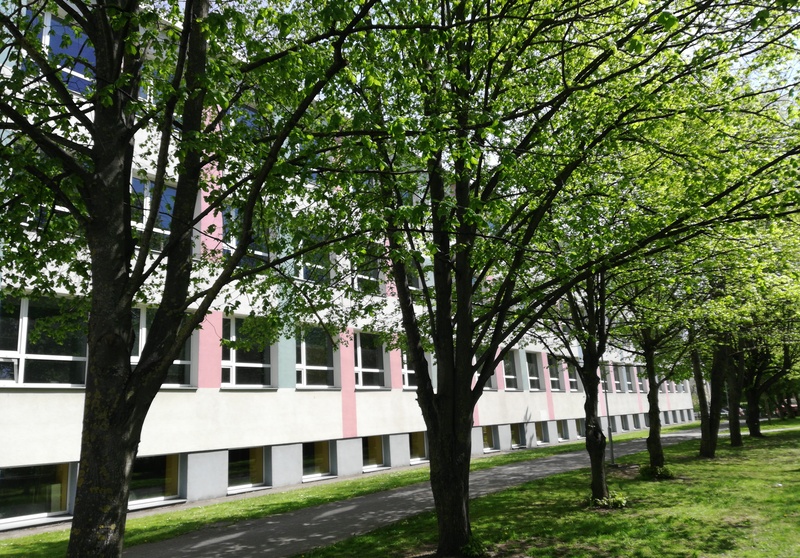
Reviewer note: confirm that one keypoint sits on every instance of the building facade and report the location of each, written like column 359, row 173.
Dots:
column 302, row 409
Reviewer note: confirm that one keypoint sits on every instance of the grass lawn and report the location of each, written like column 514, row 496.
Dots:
column 173, row 523
column 742, row 504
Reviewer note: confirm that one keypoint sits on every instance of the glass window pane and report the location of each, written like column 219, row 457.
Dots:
column 252, row 376
column 319, row 349
column 9, row 323
column 154, row 477
column 33, row 490
column 49, row 333
column 55, row 372
column 319, row 377
column 316, row 458
column 371, row 351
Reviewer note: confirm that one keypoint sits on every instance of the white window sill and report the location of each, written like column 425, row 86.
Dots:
column 375, row 468
column 319, row 477
column 150, row 503
column 247, row 488
column 235, row 387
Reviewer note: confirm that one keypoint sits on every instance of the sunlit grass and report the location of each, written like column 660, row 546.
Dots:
column 743, row 504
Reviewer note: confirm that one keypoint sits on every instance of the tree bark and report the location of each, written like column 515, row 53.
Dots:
column 753, row 415
column 595, row 438
column 734, row 376
column 117, row 396
column 708, row 444
column 655, row 448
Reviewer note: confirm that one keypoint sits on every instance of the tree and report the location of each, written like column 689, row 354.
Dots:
column 495, row 129
column 120, row 87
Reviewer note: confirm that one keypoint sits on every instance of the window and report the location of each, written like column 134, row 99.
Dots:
column 563, row 430
column 619, row 373
column 554, row 368
column 629, row 378
column 314, row 266
column 314, row 358
column 637, row 423
column 542, row 433
column 612, row 424
column 41, row 342
column 409, row 374
column 640, row 379
column 647, row 420
column 70, row 51
column 316, row 459
column 490, row 438
column 372, row 452
column 624, row 422
column 143, row 204
column 367, row 270
column 33, row 490
column 674, row 416
column 534, row 371
column 580, row 427
column 605, row 371
column 154, row 478
column 682, row 415
column 510, row 370
column 418, row 445
column 572, row 372
column 245, row 467
column 243, row 366
column 179, row 372
column 259, row 248
column 518, row 435
column 666, row 417
column 369, row 360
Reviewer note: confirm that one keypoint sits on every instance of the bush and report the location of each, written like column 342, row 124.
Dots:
column 614, row 501
column 656, row 473
column 475, row 548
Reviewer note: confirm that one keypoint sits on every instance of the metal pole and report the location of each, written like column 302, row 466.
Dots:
column 608, row 417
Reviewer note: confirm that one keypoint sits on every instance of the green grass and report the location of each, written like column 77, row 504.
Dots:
column 742, row 504
column 170, row 524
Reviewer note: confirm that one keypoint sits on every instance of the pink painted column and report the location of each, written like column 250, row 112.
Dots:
column 347, row 366
column 395, row 369
column 551, row 408
column 209, row 354
column 639, row 398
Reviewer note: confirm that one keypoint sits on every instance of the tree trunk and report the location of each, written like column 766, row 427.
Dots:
column 734, row 372
column 753, row 417
column 702, row 399
column 450, row 457
column 654, row 447
column 708, row 445
column 595, row 438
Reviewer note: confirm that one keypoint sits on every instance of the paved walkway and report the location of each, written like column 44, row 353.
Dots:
column 300, row 531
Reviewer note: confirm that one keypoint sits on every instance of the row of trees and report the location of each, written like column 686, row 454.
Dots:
column 508, row 166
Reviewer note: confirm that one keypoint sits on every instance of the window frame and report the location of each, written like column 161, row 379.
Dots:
column 360, row 369
column 232, row 362
column 537, row 361
column 554, row 371
column 510, row 361
column 302, row 368
column 16, row 361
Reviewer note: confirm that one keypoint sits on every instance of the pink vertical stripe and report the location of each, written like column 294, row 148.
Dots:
column 209, row 355
column 347, row 366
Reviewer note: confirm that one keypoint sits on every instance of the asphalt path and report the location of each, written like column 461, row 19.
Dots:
column 293, row 533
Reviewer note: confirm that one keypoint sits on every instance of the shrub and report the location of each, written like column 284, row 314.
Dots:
column 615, row 500
column 656, row 473
column 475, row 548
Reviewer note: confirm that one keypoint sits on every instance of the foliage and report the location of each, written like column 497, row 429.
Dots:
column 656, row 473
column 614, row 501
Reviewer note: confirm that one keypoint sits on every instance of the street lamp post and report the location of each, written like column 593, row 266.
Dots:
column 608, row 416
